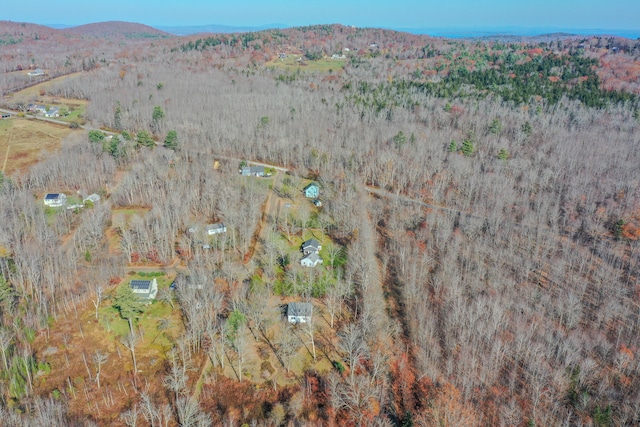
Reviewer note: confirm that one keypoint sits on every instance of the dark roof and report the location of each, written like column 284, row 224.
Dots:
column 313, row 184
column 311, row 243
column 299, row 309
column 51, row 196
column 141, row 284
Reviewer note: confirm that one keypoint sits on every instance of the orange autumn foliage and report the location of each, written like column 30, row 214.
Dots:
column 448, row 409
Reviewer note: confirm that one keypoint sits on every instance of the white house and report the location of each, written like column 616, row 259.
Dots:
column 216, row 228
column 36, row 72
column 145, row 289
column 55, row 200
column 311, row 260
column 299, row 312
column 52, row 112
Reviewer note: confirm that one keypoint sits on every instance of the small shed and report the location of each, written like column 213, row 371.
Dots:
column 299, row 312
column 93, row 198
column 311, row 191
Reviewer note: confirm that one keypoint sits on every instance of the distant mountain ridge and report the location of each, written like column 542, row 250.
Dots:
column 115, row 29
column 133, row 31
column 179, row 30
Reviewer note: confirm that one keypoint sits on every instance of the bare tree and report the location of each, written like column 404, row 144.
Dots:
column 189, row 413
column 130, row 341
column 98, row 297
column 6, row 339
column 353, row 345
column 287, row 345
column 130, row 416
column 99, row 358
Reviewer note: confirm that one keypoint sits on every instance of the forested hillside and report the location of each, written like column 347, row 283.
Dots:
column 478, row 213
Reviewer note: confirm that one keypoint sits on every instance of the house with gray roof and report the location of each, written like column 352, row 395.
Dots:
column 311, row 260
column 252, row 171
column 299, row 312
column 311, row 245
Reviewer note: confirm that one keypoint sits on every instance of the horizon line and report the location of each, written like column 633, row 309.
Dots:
column 496, row 30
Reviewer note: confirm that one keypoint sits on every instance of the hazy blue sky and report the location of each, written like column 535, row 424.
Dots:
column 568, row 14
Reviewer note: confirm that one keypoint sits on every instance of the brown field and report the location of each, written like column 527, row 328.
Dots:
column 22, row 141
column 32, row 93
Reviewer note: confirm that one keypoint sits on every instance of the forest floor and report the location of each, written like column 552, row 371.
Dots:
column 71, row 347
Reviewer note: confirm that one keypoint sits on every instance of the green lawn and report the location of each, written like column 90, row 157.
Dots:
column 74, row 115
column 321, row 65
column 149, row 323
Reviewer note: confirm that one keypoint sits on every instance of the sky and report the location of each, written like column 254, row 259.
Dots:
column 396, row 14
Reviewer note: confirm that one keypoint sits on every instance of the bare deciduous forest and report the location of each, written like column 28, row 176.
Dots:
column 479, row 224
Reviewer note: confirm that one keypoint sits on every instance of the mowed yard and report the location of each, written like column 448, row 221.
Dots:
column 22, row 142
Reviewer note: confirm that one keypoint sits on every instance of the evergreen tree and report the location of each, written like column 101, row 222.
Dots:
column 495, row 127
column 171, row 140
column 117, row 117
column 156, row 118
column 526, row 128
column 143, row 138
column 503, row 154
column 453, row 146
column 127, row 304
column 400, row 139
column 96, row 136
column 468, row 148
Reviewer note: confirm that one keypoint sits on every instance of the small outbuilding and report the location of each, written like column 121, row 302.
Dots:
column 299, row 312
column 93, row 198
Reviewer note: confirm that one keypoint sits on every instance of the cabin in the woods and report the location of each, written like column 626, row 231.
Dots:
column 299, row 312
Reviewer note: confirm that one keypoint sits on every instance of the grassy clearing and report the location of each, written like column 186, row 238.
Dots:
column 291, row 63
column 22, row 142
column 148, row 324
column 122, row 217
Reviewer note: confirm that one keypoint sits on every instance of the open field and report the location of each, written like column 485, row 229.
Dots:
column 322, row 65
column 22, row 141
